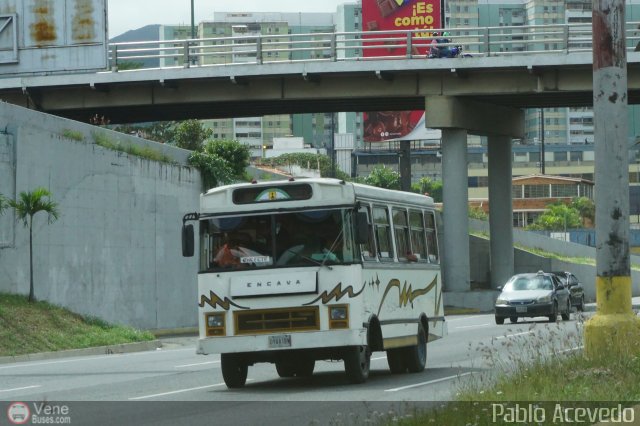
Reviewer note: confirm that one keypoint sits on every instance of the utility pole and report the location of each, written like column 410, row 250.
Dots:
column 614, row 329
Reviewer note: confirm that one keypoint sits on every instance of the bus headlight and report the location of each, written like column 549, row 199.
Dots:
column 215, row 324
column 339, row 316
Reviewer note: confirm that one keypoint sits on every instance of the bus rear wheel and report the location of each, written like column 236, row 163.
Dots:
column 234, row 371
column 357, row 360
column 395, row 359
column 416, row 356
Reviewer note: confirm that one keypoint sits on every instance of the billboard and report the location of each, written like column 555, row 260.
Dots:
column 50, row 36
column 388, row 15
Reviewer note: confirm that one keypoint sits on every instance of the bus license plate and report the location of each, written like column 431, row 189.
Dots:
column 280, row 341
column 521, row 309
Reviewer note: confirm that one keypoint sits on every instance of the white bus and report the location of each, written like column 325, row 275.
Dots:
column 291, row 272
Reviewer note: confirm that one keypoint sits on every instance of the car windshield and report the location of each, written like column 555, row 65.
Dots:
column 529, row 283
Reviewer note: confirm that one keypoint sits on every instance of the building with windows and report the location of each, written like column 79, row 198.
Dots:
column 532, row 194
column 551, row 125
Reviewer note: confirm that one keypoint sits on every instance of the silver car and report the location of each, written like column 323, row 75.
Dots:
column 533, row 295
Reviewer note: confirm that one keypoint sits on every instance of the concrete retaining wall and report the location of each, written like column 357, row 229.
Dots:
column 528, row 262
column 115, row 251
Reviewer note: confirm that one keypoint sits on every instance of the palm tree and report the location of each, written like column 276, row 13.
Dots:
column 3, row 204
column 31, row 203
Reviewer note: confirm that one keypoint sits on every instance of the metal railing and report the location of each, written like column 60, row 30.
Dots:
column 358, row 45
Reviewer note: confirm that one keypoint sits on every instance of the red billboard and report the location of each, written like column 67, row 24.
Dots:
column 392, row 15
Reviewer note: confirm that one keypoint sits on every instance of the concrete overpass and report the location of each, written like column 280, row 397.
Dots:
column 483, row 94
column 524, row 81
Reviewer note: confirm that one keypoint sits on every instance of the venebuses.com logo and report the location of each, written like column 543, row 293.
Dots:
column 18, row 413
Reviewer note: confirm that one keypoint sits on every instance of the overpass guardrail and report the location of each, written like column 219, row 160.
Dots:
column 358, row 45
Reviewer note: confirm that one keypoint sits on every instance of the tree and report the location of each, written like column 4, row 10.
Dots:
column 557, row 217
column 29, row 204
column 308, row 160
column 191, row 135
column 234, row 153
column 130, row 65
column 477, row 213
column 213, row 169
column 587, row 209
column 430, row 187
column 383, row 177
column 3, row 204
column 159, row 131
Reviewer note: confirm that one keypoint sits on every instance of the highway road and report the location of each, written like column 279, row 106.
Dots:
column 169, row 385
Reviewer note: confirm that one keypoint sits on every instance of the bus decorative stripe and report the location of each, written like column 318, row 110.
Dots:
column 337, row 293
column 438, row 302
column 406, row 293
column 214, row 300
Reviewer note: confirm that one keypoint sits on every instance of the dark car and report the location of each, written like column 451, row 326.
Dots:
column 576, row 291
column 533, row 295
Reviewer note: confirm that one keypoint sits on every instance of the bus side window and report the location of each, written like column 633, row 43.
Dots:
column 418, row 238
column 432, row 241
column 368, row 249
column 401, row 231
column 382, row 230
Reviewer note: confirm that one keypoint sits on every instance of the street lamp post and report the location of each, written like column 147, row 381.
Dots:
column 193, row 23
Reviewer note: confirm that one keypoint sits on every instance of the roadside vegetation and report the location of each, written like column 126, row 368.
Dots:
column 140, row 151
column 542, row 368
column 42, row 327
column 29, row 204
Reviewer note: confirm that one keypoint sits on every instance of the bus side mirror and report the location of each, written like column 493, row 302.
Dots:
column 362, row 228
column 187, row 240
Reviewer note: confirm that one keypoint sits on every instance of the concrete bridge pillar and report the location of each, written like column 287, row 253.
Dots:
column 455, row 196
column 457, row 117
column 501, row 214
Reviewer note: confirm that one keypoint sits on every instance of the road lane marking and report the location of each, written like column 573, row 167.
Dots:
column 378, row 358
column 449, row 319
column 512, row 335
column 23, row 388
column 473, row 326
column 444, row 379
column 96, row 357
column 178, row 391
column 196, row 364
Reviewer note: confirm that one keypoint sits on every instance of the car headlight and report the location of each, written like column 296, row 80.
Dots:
column 544, row 299
column 501, row 301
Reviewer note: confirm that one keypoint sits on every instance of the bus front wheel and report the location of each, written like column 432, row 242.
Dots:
column 234, row 371
column 357, row 360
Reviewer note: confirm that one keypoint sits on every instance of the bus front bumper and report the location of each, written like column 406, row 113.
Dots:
column 281, row 341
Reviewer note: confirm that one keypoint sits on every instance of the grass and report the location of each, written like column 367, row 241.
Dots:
column 543, row 368
column 139, row 151
column 73, row 135
column 42, row 327
column 543, row 253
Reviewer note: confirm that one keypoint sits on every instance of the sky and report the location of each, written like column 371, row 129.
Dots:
column 127, row 15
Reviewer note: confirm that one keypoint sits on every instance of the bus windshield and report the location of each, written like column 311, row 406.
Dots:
column 306, row 238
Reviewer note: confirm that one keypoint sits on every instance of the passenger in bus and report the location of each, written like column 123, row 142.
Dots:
column 231, row 253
